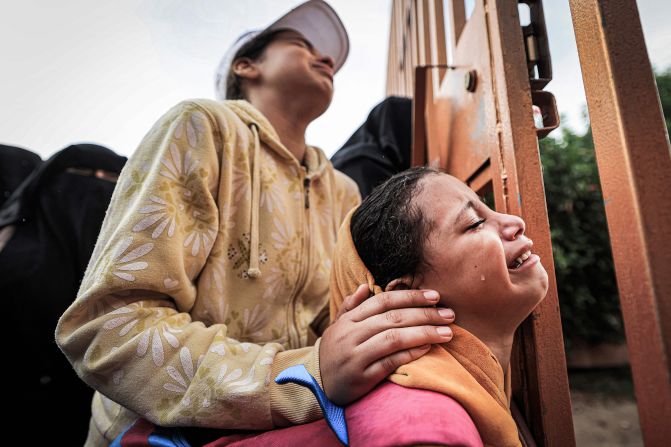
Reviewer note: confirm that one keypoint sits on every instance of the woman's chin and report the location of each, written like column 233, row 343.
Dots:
column 530, row 294
column 535, row 278
column 544, row 281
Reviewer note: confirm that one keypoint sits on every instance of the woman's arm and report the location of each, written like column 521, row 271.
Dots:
column 130, row 335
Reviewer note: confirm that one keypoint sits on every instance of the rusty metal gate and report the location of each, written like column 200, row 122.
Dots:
column 473, row 116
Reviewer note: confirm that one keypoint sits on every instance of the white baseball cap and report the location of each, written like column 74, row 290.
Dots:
column 314, row 19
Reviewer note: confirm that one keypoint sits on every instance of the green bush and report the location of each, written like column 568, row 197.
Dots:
column 588, row 295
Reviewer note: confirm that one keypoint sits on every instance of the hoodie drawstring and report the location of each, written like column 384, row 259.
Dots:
column 254, row 271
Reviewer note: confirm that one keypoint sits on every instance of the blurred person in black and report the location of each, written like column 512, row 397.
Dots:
column 379, row 148
column 50, row 217
column 15, row 165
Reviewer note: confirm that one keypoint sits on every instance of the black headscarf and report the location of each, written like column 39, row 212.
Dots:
column 381, row 147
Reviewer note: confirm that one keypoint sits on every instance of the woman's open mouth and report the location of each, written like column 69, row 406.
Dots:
column 524, row 261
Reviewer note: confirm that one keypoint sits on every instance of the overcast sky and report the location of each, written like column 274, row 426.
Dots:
column 104, row 71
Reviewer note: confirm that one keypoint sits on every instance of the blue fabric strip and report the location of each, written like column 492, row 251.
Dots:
column 334, row 415
column 167, row 437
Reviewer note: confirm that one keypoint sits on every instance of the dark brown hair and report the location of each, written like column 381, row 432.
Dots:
column 389, row 230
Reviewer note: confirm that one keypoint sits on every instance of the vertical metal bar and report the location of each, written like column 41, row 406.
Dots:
column 419, row 155
column 391, row 48
column 458, row 20
column 413, row 47
column 402, row 43
column 437, row 33
column 634, row 160
column 543, row 364
column 423, row 43
column 437, row 48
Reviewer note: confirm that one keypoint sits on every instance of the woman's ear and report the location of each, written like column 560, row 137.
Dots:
column 403, row 283
column 245, row 68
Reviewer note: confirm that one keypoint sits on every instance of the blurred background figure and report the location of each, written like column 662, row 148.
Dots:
column 50, row 217
column 379, row 148
column 15, row 165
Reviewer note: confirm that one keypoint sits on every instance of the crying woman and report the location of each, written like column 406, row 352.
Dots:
column 423, row 229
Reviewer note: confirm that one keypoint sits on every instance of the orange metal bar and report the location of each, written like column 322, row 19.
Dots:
column 457, row 20
column 419, row 118
column 545, row 386
column 634, row 160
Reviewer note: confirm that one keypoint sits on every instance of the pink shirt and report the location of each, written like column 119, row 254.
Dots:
column 390, row 415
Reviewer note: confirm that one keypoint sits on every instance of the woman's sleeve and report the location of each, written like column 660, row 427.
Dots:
column 129, row 334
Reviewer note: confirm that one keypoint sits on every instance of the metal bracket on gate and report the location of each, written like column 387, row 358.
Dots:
column 536, row 45
column 546, row 117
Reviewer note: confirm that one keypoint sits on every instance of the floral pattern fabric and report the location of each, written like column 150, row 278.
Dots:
column 167, row 322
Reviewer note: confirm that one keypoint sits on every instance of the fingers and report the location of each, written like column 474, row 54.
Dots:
column 395, row 340
column 396, row 299
column 387, row 365
column 397, row 318
column 354, row 300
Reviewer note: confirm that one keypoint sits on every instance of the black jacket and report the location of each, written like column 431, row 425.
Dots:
column 381, row 147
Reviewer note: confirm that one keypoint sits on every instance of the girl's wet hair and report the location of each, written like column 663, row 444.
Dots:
column 389, row 230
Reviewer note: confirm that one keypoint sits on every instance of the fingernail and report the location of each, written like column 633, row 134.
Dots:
column 431, row 295
column 444, row 332
column 446, row 313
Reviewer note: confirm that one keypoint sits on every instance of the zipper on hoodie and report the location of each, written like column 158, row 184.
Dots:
column 295, row 334
column 309, row 242
column 306, row 187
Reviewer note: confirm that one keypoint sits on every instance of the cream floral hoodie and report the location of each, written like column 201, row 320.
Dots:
column 212, row 261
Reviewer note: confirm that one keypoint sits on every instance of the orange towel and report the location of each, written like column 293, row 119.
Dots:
column 464, row 369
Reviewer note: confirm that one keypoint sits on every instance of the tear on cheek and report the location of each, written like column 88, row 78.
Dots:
column 476, row 268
